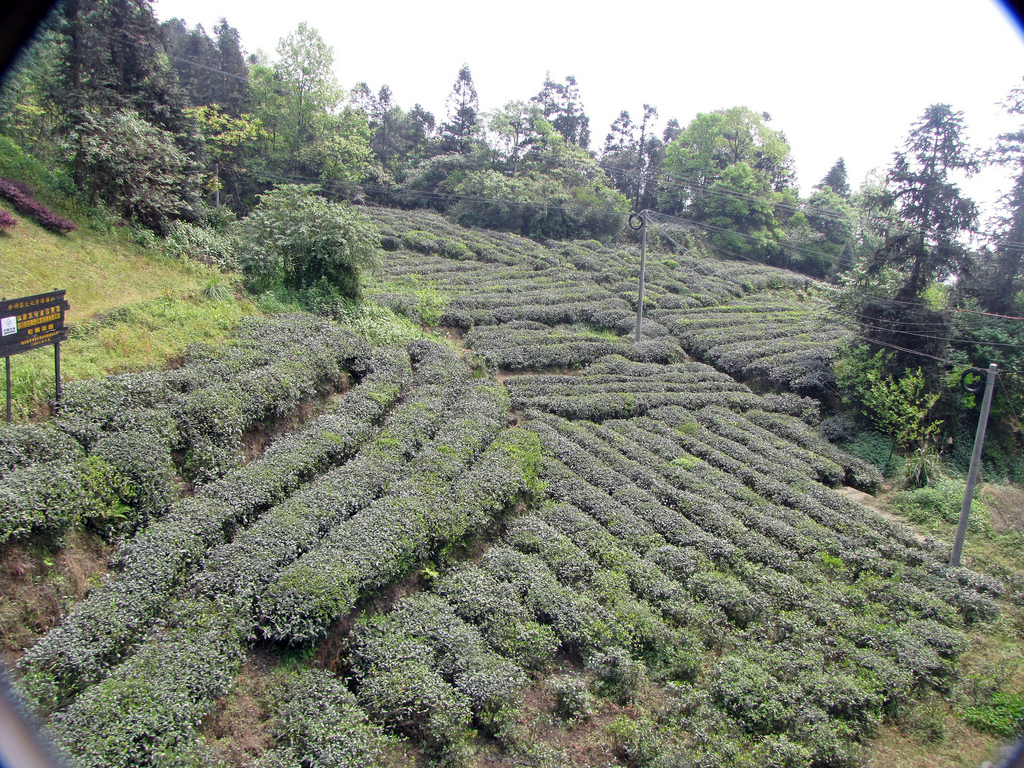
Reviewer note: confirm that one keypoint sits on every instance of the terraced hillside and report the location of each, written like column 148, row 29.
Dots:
column 527, row 306
column 542, row 545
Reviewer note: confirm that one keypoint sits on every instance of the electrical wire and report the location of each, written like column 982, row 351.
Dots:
column 976, row 342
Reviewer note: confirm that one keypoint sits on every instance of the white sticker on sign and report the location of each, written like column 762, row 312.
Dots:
column 9, row 325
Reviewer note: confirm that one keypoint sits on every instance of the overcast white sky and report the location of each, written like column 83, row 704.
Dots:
column 839, row 78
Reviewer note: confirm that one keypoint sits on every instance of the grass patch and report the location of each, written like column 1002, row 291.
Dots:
column 98, row 272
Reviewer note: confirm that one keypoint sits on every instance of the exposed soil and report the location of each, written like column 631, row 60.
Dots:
column 39, row 583
column 543, row 738
column 238, row 729
column 256, row 441
column 869, row 501
column 1006, row 507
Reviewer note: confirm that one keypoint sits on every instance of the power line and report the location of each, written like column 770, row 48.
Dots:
column 933, row 338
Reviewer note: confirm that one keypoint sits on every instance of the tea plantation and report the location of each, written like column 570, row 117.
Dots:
column 537, row 544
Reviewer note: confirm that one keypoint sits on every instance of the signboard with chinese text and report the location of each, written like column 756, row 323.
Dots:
column 31, row 322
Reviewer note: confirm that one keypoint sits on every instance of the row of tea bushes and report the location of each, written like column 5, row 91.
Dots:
column 101, row 629
column 106, row 459
column 50, row 485
column 390, row 684
column 521, row 346
column 790, row 345
column 458, row 483
column 203, row 408
column 614, row 387
column 23, row 445
column 319, row 724
column 477, row 283
column 241, row 568
column 856, row 472
column 864, row 541
column 900, row 625
column 168, row 723
column 147, row 710
column 428, row 674
column 430, row 233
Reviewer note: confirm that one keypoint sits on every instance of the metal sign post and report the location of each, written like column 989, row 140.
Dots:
column 972, row 475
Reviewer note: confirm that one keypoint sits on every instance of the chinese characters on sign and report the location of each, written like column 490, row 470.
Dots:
column 31, row 322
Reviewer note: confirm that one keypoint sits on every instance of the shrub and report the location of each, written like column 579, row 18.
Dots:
column 505, row 624
column 400, row 685
column 319, row 724
column 297, row 239
column 132, row 166
column 22, row 445
column 150, row 706
column 20, row 196
column 6, row 220
column 620, row 676
column 144, row 460
column 573, row 700
column 92, row 638
column 196, row 243
column 49, row 498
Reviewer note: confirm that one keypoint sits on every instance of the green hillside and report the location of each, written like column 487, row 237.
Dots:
column 512, row 536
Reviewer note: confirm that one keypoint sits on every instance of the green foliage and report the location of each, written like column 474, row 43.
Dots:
column 378, row 325
column 537, row 205
column 872, row 447
column 935, row 212
column 133, row 167
column 430, row 304
column 1002, row 715
column 900, row 407
column 297, row 239
column 319, row 724
column 921, row 467
column 49, row 498
column 147, row 711
column 938, row 504
column 573, row 700
column 217, row 290
column 17, row 164
column 202, row 244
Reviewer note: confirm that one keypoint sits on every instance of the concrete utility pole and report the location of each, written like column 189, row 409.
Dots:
column 972, row 475
column 643, row 268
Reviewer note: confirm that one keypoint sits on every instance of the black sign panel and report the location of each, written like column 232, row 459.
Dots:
column 31, row 322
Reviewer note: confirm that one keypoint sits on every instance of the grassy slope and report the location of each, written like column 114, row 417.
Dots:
column 98, row 272
column 131, row 308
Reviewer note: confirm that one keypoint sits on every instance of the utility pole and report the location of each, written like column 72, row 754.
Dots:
column 972, row 475
column 642, row 216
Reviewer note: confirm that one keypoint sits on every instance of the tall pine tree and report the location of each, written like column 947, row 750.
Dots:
column 459, row 133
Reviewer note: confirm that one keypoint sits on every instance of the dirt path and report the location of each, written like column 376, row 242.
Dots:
column 869, row 501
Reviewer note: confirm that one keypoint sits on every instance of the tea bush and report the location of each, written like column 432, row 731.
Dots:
column 92, row 639
column 318, row 723
column 149, row 708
